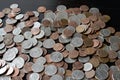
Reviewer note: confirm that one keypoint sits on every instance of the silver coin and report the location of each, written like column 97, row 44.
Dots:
column 11, row 64
column 84, row 59
column 10, row 54
column 3, row 50
column 27, row 44
column 1, row 21
column 37, row 67
column 75, row 18
column 1, row 38
column 56, row 56
column 2, row 45
column 77, row 74
column 47, row 31
column 69, row 60
column 34, row 41
column 36, row 13
column 77, row 42
column 16, row 31
column 101, row 74
column 61, row 15
column 3, row 62
column 27, row 35
column 87, row 66
column 3, row 69
column 40, row 35
column 39, row 44
column 11, row 21
column 48, row 43
column 40, row 60
column 114, row 68
column 63, row 39
column 69, row 47
column 118, row 54
column 36, row 25
column 50, row 15
column 34, row 76
column 60, row 30
column 36, row 52
column 68, row 78
column 20, row 25
column 114, row 46
column 101, row 38
column 56, row 77
column 50, row 70
column 15, row 5
column 61, row 8
column 61, row 70
column 4, row 77
column 10, row 70
column 103, row 66
column 19, row 62
column 18, row 38
column 105, row 32
column 2, row 31
column 116, row 75
column 94, row 10
column 19, row 16
column 81, row 16
column 114, row 39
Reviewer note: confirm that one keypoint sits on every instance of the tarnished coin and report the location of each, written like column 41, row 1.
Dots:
column 56, row 77
column 50, row 70
column 77, row 74
column 19, row 62
column 41, row 9
column 34, row 76
column 56, row 56
column 36, row 52
column 48, row 43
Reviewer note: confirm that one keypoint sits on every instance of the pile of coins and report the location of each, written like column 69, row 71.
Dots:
column 68, row 44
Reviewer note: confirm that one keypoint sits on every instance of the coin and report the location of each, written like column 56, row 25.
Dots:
column 34, row 76
column 90, row 74
column 41, row 9
column 77, row 42
column 58, row 77
column 56, row 56
column 50, row 70
column 18, row 38
column 77, row 74
column 87, row 66
column 58, row 47
column 37, row 67
column 36, row 52
column 48, row 43
column 10, row 71
column 14, row 6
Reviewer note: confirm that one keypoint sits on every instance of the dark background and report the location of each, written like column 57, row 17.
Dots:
column 110, row 7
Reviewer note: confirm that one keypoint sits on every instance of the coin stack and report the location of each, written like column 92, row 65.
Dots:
column 68, row 44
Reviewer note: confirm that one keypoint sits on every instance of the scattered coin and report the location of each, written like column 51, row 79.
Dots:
column 77, row 74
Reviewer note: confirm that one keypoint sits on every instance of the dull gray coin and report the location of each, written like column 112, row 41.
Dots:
column 3, row 50
column 34, row 41
column 27, row 44
column 84, row 59
column 77, row 74
column 19, row 62
column 101, row 74
column 18, row 38
column 48, row 43
column 114, row 39
column 61, row 8
column 56, row 56
column 16, row 31
column 41, row 60
column 69, row 60
column 105, row 32
column 37, row 67
column 50, row 69
column 10, row 21
column 56, row 77
column 36, row 52
column 2, row 45
column 34, row 76
column 4, row 77
column 69, row 47
column 1, row 38
column 27, row 35
column 103, row 66
column 116, row 75
column 77, row 42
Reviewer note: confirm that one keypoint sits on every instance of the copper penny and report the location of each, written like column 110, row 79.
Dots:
column 102, row 53
column 54, row 35
column 90, row 74
column 58, row 46
column 96, row 42
column 16, row 10
column 90, row 50
column 73, row 54
column 28, row 66
column 94, row 61
column 16, row 72
column 84, row 8
column 77, row 65
column 2, row 14
column 112, row 30
column 35, row 31
column 41, row 9
column 65, row 53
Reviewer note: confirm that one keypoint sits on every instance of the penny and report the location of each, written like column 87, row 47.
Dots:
column 8, row 28
column 90, row 74
column 112, row 30
column 6, row 10
column 34, row 76
column 54, row 35
column 77, row 65
column 58, row 47
column 77, row 74
column 50, row 70
column 19, row 62
column 84, row 8
column 90, row 50
column 41, row 9
column 96, row 42
column 2, row 14
column 58, row 77
column 95, row 62
column 35, row 31
column 56, row 56
column 73, row 54
column 102, row 53
column 36, row 52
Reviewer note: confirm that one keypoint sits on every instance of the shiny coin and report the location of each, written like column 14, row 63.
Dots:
column 11, row 21
column 16, row 31
column 50, row 70
column 77, row 74
column 26, row 44
column 27, row 35
column 36, row 25
column 77, row 42
column 56, row 56
column 36, row 52
column 34, row 76
column 19, row 16
column 56, row 77
column 87, row 66
column 48, row 43
column 40, row 35
column 14, row 6
column 19, row 62
column 10, row 70
column 4, row 69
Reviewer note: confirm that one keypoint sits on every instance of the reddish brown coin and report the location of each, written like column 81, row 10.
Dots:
column 77, row 65
column 73, row 53
column 16, row 72
column 90, row 74
column 8, row 28
column 84, row 8
column 90, row 50
column 41, row 9
column 28, row 66
column 112, row 30
column 102, row 53
column 65, row 53
column 96, row 42
column 58, row 46
column 54, row 35
column 94, row 61
column 2, row 14
column 35, row 31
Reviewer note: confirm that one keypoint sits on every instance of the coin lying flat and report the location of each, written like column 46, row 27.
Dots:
column 77, row 74
column 34, row 76
column 48, row 43
column 77, row 42
column 37, row 67
column 58, row 77
column 56, row 56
